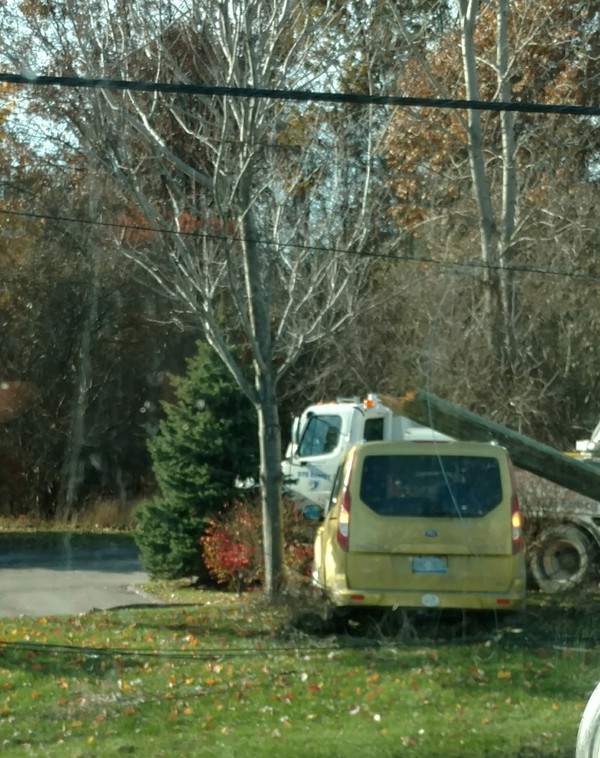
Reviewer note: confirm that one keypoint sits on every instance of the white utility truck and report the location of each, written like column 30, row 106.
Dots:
column 325, row 431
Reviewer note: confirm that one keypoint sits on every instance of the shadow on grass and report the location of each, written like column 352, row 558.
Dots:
column 64, row 663
column 550, row 628
column 569, row 619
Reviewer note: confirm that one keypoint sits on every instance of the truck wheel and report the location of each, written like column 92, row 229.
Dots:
column 588, row 735
column 563, row 559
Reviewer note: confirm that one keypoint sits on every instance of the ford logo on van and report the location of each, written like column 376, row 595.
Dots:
column 430, row 533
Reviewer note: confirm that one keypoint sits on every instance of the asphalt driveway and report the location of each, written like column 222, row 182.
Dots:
column 47, row 574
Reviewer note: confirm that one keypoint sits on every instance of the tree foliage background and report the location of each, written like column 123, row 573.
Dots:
column 415, row 302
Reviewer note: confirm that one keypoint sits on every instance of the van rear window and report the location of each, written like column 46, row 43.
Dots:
column 442, row 486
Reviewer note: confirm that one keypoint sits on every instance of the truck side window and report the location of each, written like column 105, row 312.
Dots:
column 373, row 429
column 321, row 436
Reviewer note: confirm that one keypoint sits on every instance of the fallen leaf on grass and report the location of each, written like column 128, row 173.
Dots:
column 504, row 675
column 477, row 673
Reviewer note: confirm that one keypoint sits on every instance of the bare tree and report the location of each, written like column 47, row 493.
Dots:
column 260, row 210
column 451, row 163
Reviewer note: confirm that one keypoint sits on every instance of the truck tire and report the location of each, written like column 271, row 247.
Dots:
column 588, row 735
column 563, row 559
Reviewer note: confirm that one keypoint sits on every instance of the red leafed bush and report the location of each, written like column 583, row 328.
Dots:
column 232, row 544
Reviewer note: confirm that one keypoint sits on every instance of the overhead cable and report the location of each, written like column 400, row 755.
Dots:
column 392, row 257
column 297, row 95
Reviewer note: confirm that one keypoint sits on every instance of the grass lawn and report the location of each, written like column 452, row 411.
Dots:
column 228, row 676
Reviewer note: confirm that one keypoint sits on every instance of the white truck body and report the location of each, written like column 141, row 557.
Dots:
column 325, row 431
column 589, row 448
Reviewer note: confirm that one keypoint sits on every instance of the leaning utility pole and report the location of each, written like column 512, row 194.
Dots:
column 526, row 453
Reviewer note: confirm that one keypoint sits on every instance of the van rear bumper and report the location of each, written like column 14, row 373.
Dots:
column 356, row 598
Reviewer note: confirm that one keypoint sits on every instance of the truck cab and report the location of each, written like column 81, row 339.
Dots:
column 326, row 431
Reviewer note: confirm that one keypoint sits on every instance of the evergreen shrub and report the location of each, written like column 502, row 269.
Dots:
column 207, row 443
column 167, row 537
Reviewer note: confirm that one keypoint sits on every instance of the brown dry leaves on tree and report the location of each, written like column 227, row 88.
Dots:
column 427, row 148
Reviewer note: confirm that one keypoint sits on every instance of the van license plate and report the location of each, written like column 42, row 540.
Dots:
column 430, row 564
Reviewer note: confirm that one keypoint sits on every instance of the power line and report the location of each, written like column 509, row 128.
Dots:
column 198, row 654
column 394, row 257
column 297, row 95
column 348, row 645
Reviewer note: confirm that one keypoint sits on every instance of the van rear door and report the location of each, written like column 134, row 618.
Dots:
column 431, row 517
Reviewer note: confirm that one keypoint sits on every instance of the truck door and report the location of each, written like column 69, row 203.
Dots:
column 316, row 459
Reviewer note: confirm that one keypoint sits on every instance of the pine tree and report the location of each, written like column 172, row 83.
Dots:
column 206, row 443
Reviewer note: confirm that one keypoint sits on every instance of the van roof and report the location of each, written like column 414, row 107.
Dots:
column 434, row 447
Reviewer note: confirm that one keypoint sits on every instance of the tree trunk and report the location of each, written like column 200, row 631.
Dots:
column 487, row 225
column 494, row 241
column 269, row 431
column 509, row 182
column 257, row 283
column 72, row 474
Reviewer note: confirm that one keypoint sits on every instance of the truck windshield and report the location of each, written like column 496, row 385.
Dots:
column 436, row 486
column 321, row 435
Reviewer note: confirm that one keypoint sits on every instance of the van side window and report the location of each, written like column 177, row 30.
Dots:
column 337, row 483
column 321, row 436
column 441, row 486
column 373, row 429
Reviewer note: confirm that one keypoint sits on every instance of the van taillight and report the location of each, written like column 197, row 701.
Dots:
column 344, row 520
column 515, row 514
column 343, row 532
column 515, row 522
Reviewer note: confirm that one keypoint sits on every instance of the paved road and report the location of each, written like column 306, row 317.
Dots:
column 46, row 575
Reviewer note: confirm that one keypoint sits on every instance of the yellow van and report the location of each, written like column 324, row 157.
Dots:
column 423, row 524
